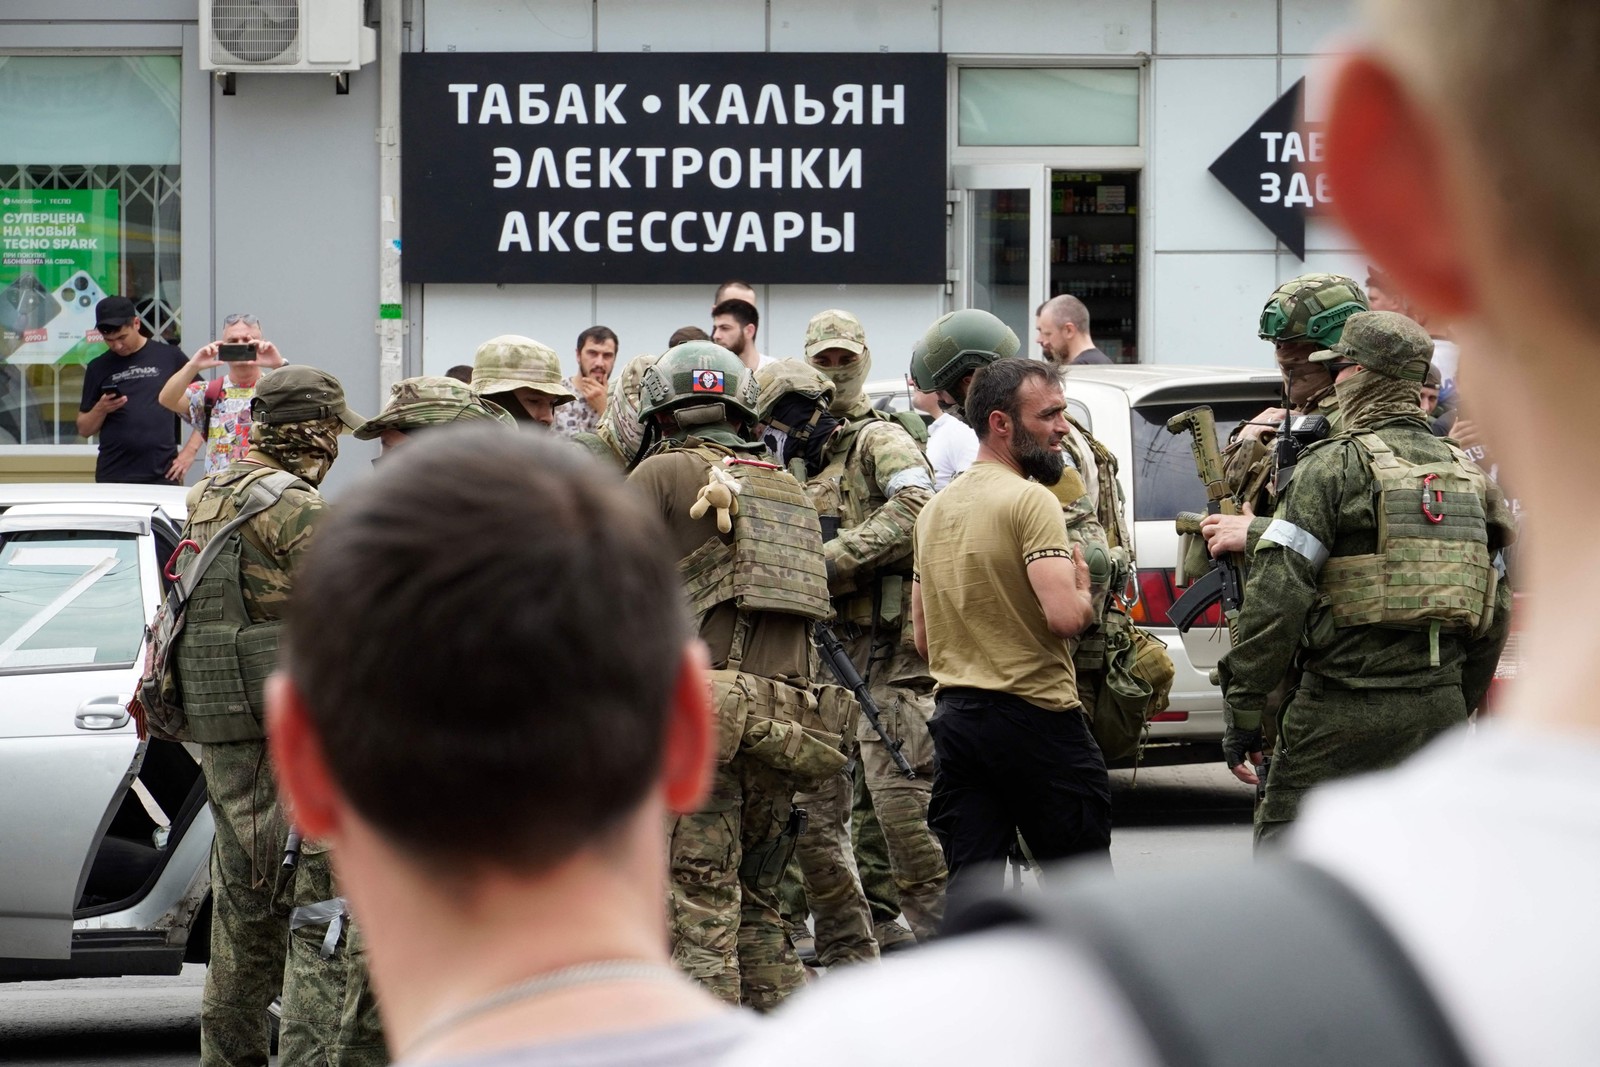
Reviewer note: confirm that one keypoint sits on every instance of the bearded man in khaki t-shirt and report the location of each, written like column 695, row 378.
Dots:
column 998, row 592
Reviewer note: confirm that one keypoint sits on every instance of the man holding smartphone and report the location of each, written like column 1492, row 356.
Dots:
column 138, row 439
column 219, row 408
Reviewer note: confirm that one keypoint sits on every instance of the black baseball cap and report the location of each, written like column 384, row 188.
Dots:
column 114, row 311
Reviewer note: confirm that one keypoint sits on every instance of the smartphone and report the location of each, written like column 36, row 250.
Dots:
column 110, row 390
column 230, row 352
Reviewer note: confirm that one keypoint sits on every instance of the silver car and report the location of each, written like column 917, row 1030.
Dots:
column 105, row 840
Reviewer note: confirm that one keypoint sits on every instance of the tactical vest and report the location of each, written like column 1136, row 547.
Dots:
column 223, row 657
column 1431, row 569
column 1107, row 490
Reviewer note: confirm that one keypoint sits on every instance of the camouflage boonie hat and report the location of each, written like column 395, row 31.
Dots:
column 300, row 394
column 834, row 329
column 1312, row 307
column 510, row 362
column 431, row 401
column 1386, row 343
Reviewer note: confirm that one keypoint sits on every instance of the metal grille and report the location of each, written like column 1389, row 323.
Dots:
column 255, row 31
column 39, row 403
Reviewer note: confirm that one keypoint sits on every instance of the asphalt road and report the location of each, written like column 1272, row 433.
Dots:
column 1166, row 818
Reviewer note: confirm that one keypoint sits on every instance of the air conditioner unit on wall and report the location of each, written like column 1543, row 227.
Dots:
column 284, row 36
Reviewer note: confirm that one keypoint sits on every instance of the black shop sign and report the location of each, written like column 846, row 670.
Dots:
column 1275, row 169
column 673, row 168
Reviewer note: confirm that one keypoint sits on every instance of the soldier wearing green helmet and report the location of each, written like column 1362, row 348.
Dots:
column 756, row 578
column 952, row 350
column 1377, row 574
column 869, row 481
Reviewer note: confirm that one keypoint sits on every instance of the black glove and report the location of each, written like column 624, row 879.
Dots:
column 1237, row 744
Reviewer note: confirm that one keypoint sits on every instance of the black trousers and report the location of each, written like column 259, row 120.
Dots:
column 1001, row 765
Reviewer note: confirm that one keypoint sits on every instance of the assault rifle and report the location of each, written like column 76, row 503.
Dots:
column 838, row 661
column 1225, row 580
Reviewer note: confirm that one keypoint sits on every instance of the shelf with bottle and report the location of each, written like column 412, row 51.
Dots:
column 1099, row 288
column 1091, row 198
column 1074, row 249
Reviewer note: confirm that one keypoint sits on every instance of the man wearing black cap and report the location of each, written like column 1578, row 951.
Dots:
column 138, row 437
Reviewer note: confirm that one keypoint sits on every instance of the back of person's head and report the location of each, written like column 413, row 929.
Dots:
column 1067, row 308
column 735, row 288
column 487, row 635
column 997, row 386
column 461, row 372
column 685, row 334
column 742, row 311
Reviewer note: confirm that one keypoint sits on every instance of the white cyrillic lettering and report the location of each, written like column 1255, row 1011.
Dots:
column 786, row 224
column 847, row 104
column 1314, row 152
column 895, row 104
column 678, row 242
column 1271, row 187
column 619, row 230
column 463, row 93
column 718, row 234
column 1272, row 144
column 495, row 105
column 531, row 110
column 514, row 231
column 550, row 231
column 773, row 168
column 685, row 161
column 726, row 168
column 543, row 162
column 807, row 112
column 689, row 104
column 1323, row 195
column 651, row 157
column 1293, row 150
column 648, row 223
column 571, row 106
column 508, row 171
column 843, row 168
column 578, row 166
column 611, row 168
column 1299, row 194
column 824, row 238
column 732, row 106
column 750, row 233
column 849, row 231
column 580, row 227
column 606, row 104
column 800, row 164
column 772, row 99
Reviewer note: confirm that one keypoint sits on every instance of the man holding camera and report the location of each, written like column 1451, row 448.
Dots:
column 219, row 409
column 138, row 441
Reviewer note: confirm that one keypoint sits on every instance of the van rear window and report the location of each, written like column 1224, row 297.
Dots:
column 1165, row 481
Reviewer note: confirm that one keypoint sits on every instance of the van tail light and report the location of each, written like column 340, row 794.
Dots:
column 1156, row 594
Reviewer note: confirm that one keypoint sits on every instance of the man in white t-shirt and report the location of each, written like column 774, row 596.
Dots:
column 218, row 409
column 1481, row 855
column 952, row 445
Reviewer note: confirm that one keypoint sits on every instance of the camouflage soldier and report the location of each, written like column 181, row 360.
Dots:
column 619, row 436
column 752, row 562
column 223, row 659
column 1378, row 573
column 522, row 376
column 419, row 404
column 952, row 350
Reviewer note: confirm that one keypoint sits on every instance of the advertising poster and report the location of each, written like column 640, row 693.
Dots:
column 58, row 259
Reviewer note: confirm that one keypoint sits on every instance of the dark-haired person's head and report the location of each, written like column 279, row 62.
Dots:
column 597, row 352
column 734, row 289
column 1016, row 408
column 734, row 324
column 685, row 334
column 488, row 664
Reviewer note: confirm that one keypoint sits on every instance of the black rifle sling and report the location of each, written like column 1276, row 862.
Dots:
column 1332, row 988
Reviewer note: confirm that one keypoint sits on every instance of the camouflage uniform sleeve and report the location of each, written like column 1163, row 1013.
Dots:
column 282, row 533
column 896, row 469
column 1282, row 586
column 1483, row 652
column 1081, row 514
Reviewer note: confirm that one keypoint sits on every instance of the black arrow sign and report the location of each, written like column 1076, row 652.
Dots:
column 1271, row 169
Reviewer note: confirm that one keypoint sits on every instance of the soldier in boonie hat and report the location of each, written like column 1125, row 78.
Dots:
column 1384, row 342
column 523, row 376
column 422, row 403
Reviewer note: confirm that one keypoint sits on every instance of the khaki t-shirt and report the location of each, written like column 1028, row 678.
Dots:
column 986, row 629
column 778, row 644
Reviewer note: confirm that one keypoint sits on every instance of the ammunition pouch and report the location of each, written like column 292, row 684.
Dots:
column 786, row 727
column 1138, row 682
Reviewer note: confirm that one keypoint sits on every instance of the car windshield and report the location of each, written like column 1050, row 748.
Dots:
column 1165, row 481
column 69, row 599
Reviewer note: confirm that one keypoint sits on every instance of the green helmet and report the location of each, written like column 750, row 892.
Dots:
column 957, row 343
column 784, row 376
column 699, row 374
column 1312, row 307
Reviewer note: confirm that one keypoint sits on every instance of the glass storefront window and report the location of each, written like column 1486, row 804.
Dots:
column 1022, row 106
column 1002, row 228
column 89, row 206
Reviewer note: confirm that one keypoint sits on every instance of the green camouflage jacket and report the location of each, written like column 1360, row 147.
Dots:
column 875, row 483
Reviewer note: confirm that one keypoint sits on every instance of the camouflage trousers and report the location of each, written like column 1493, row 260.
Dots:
column 827, row 864
column 903, row 691
column 1329, row 732
column 249, row 927
column 330, row 1018
column 726, row 933
column 877, row 877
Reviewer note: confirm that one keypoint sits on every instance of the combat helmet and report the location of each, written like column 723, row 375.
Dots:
column 620, row 423
column 784, row 376
column 702, row 382
column 958, row 343
column 1312, row 307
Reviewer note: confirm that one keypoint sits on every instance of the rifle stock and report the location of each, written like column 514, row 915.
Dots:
column 844, row 670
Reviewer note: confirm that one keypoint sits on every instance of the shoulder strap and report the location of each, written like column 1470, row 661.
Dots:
column 263, row 492
column 214, row 390
column 1335, row 989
